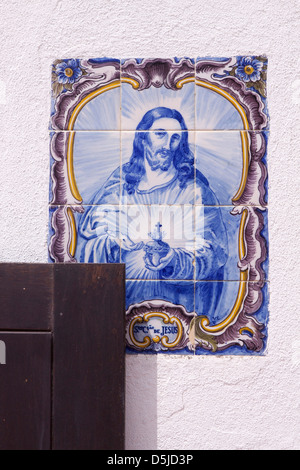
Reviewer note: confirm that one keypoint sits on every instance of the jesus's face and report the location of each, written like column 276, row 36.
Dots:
column 161, row 143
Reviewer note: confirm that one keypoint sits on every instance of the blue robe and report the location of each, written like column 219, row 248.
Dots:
column 103, row 239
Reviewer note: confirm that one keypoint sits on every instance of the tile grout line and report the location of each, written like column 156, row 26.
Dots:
column 121, row 155
column 194, row 206
column 149, row 130
column 160, row 205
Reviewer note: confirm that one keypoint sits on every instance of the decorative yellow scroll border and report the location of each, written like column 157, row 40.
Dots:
column 245, row 155
column 73, row 233
column 204, row 323
column 156, row 339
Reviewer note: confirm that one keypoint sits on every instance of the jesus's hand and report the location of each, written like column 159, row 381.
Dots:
column 165, row 261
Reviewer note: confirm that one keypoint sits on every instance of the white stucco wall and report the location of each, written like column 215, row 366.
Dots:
column 172, row 402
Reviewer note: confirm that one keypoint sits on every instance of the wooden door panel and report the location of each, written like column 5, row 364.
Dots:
column 25, row 391
column 62, row 384
column 88, row 355
column 26, row 293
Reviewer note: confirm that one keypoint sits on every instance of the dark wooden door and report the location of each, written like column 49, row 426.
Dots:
column 62, row 363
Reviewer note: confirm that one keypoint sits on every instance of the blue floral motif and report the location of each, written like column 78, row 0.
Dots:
column 68, row 71
column 249, row 69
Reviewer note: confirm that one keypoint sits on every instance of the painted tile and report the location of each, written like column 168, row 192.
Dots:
column 158, row 242
column 51, row 233
column 228, row 325
column 85, row 234
column 226, row 238
column 62, row 235
column 232, row 167
column 264, row 237
column 158, row 317
column 151, row 84
column 216, row 244
column 158, row 166
column 223, row 100
column 99, row 238
column 214, row 112
column 92, row 163
column 92, row 89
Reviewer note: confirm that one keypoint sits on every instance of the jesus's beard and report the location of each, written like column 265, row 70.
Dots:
column 159, row 160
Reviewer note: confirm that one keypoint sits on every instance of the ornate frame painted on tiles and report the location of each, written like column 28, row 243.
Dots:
column 205, row 290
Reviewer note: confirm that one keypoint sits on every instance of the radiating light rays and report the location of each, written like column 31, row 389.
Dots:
column 219, row 157
column 136, row 103
column 101, row 113
column 96, row 156
column 215, row 112
column 135, row 265
column 201, row 108
column 138, row 225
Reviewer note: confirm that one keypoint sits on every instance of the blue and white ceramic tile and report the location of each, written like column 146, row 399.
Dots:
column 224, row 162
column 94, row 162
column 90, row 232
column 98, row 232
column 97, row 81
column 161, row 164
column 215, row 305
column 101, row 113
column 215, row 299
column 265, row 237
column 51, row 163
column 216, row 243
column 219, row 160
column 97, row 166
column 213, row 111
column 162, row 322
column 219, row 233
column 158, row 242
column 222, row 98
column 51, row 232
column 168, row 173
column 137, row 108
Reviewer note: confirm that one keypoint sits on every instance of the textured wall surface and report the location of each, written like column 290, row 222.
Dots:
column 172, row 402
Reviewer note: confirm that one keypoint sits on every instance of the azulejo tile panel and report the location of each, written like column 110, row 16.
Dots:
column 161, row 164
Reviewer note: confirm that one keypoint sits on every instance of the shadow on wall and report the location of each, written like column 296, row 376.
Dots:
column 141, row 402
